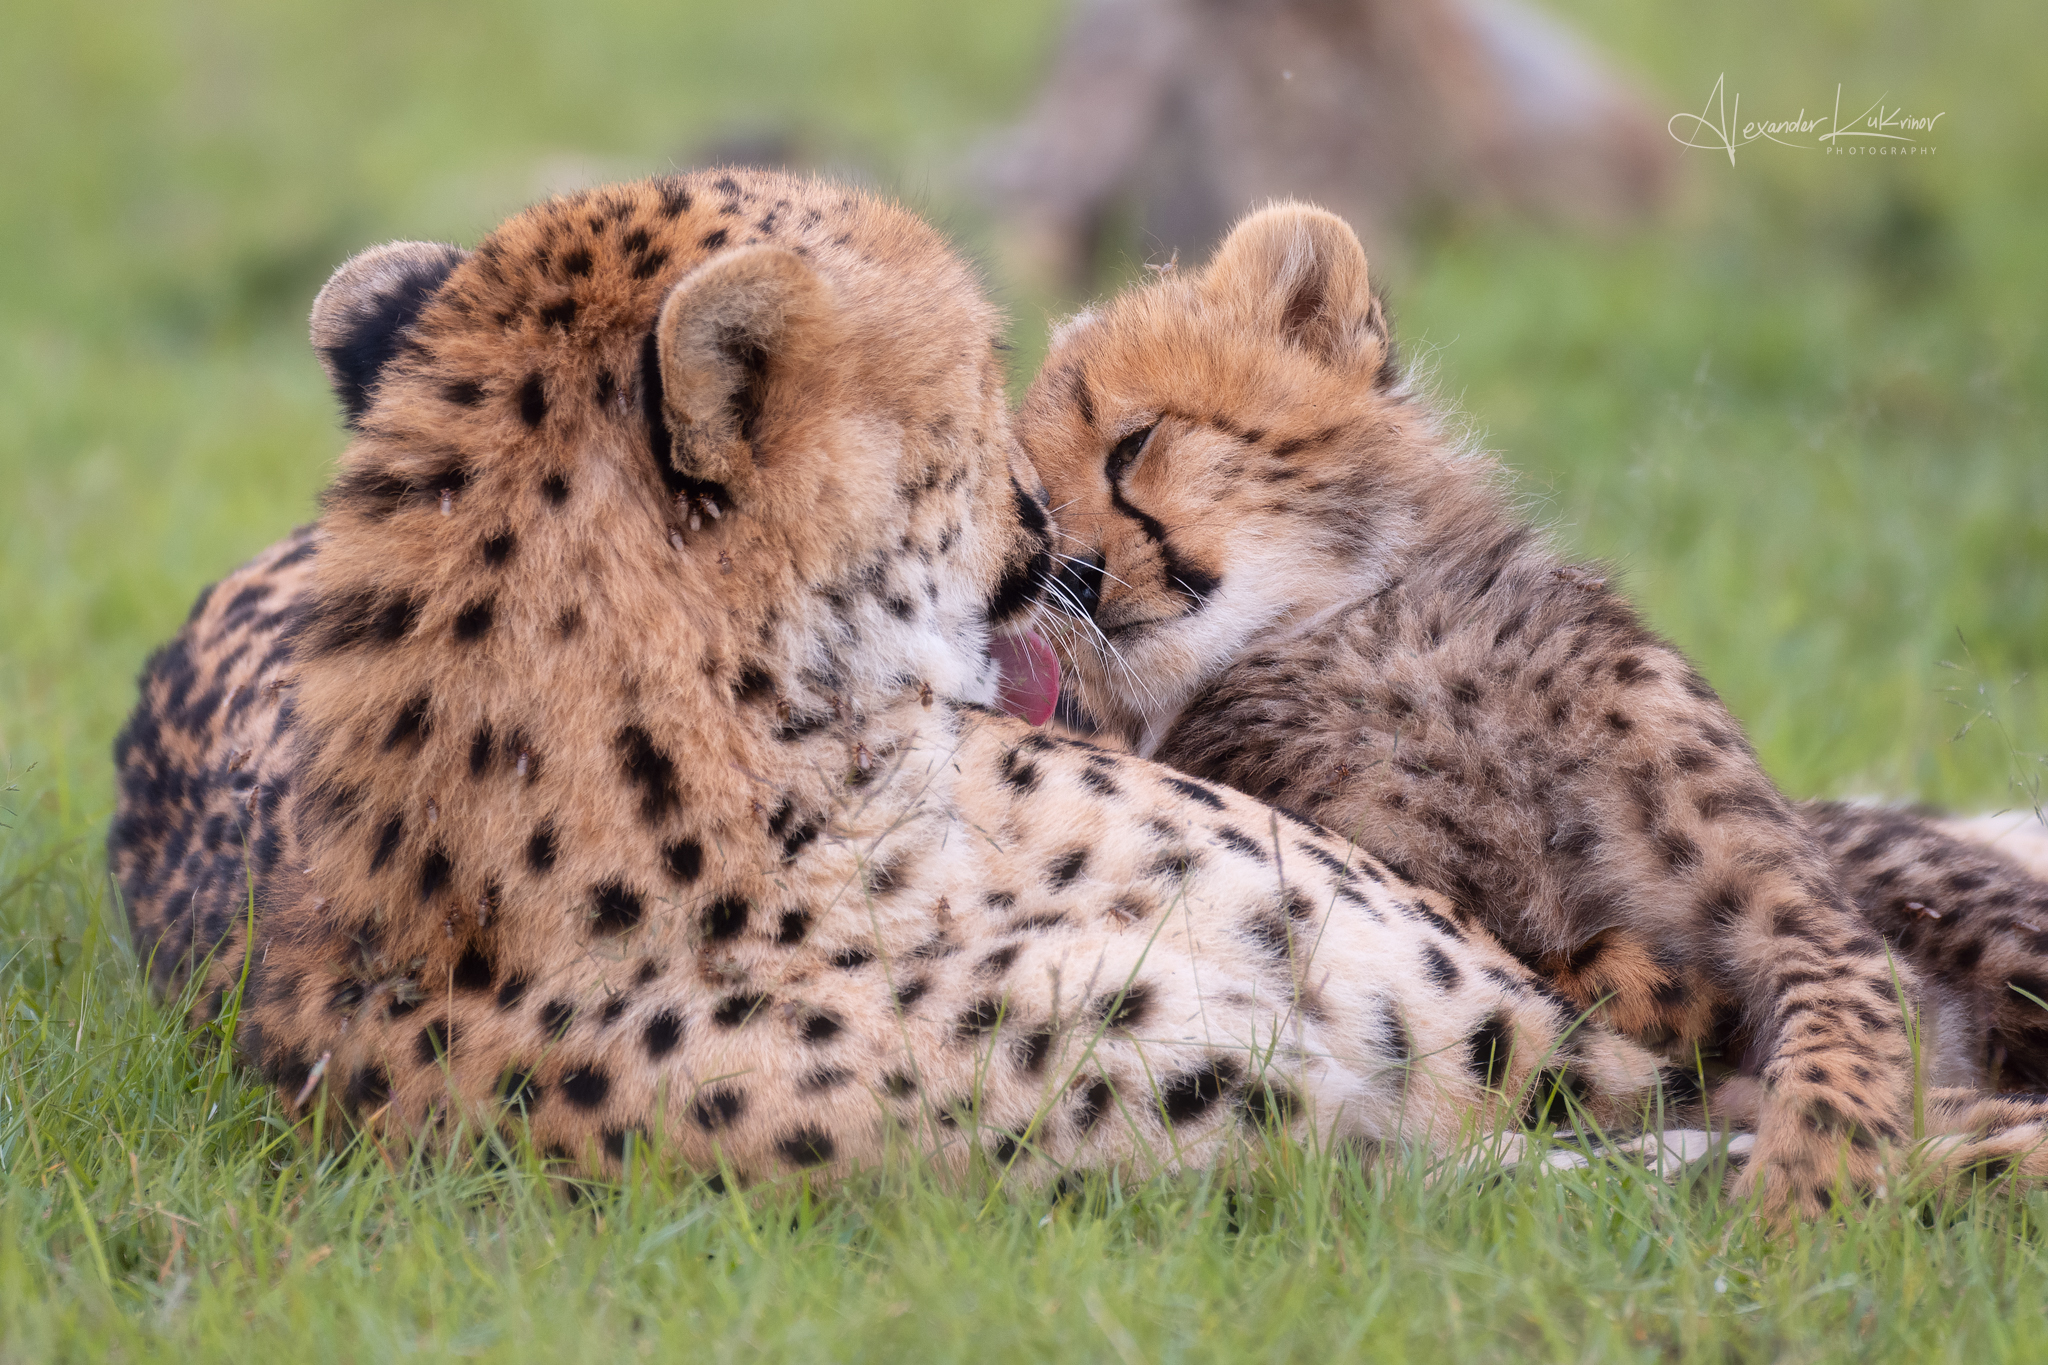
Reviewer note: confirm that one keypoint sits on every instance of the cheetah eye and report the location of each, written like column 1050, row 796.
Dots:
column 1128, row 450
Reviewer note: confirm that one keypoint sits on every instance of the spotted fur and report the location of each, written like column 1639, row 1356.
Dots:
column 1281, row 573
column 615, row 759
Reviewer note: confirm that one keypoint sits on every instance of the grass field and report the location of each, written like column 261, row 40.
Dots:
column 1804, row 416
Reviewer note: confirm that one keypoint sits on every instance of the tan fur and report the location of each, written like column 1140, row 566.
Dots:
column 1283, row 574
column 636, row 774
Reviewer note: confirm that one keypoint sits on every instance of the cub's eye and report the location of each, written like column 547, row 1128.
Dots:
column 1128, row 450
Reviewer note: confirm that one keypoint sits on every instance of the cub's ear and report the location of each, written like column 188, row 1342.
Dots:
column 361, row 315
column 736, row 340
column 1300, row 272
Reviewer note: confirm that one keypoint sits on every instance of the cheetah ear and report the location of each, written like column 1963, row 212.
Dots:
column 1300, row 272
column 734, row 339
column 361, row 315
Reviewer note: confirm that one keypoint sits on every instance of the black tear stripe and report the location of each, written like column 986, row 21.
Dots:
column 661, row 442
column 1198, row 583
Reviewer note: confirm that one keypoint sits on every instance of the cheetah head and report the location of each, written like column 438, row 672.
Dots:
column 1224, row 452
column 658, row 488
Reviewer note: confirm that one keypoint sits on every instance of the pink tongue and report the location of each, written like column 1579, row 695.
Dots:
column 1031, row 676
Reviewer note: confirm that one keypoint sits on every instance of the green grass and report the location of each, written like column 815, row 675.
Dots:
column 1804, row 416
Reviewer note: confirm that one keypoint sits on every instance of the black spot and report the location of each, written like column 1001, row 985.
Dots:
column 1197, row 790
column 821, row 1027
column 1723, row 905
column 823, row 1079
column 533, row 403
column 651, row 770
column 434, row 1042
column 980, row 1018
column 1619, row 723
column 684, row 860
column 586, row 1087
column 754, row 684
column 794, row 925
column 1296, row 905
column 882, row 880
column 1550, row 1096
column 413, row 723
column 1018, row 773
column 1032, row 1050
column 1272, row 935
column 434, row 870
column 900, row 1084
column 561, row 313
column 480, row 751
column 555, row 488
column 1066, row 868
column 344, row 620
column 998, row 962
column 472, row 971
column 851, row 959
column 540, row 849
column 1100, row 783
column 712, row 241
column 1094, row 1104
column 1488, row 1048
column 1191, row 1094
column 1126, row 1008
column 1678, row 849
column 387, row 842
column 725, row 919
column 465, row 393
column 576, row 262
column 794, row 841
column 498, row 548
column 662, row 1033
column 1269, row 1105
column 555, row 1018
column 1442, row 972
column 616, row 907
column 805, row 1146
column 509, row 994
column 1243, row 843
column 1393, row 1034
column 1681, row 1087
column 735, row 1010
column 718, row 1107
column 910, row 992
column 370, row 1086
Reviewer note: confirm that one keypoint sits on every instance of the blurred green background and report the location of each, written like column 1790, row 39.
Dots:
column 1802, row 414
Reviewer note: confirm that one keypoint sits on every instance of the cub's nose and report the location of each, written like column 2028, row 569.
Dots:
column 1077, row 588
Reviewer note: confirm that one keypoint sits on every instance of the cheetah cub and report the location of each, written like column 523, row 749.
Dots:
column 1282, row 574
column 619, row 760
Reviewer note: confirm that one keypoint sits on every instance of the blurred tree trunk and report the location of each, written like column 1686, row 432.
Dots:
column 1183, row 114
